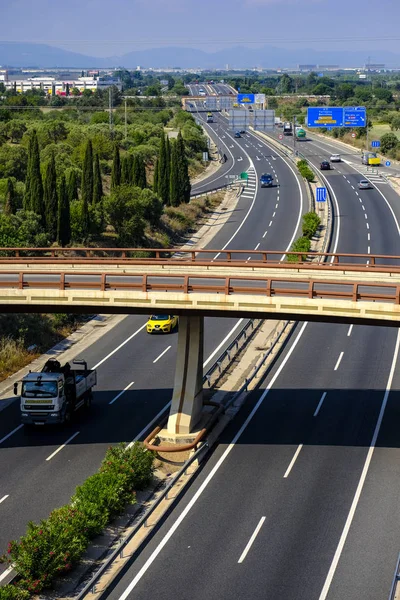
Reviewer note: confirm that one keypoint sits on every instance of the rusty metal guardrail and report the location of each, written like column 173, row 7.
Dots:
column 206, row 284
column 160, row 256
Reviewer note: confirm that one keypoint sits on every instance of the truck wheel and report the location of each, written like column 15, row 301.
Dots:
column 67, row 416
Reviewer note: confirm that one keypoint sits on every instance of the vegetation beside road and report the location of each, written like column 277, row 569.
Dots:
column 51, row 548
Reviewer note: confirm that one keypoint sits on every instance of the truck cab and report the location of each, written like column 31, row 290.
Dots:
column 54, row 394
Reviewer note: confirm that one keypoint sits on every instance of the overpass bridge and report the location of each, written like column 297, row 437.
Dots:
column 344, row 288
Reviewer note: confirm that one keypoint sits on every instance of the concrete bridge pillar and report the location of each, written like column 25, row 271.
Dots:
column 187, row 398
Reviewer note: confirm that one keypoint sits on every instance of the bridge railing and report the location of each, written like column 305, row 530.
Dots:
column 204, row 284
column 147, row 256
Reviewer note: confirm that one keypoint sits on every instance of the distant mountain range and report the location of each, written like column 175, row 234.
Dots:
column 15, row 54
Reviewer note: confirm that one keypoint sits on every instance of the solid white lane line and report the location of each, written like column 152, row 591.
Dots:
column 63, row 446
column 210, row 476
column 349, row 520
column 265, row 233
column 349, row 331
column 10, row 434
column 251, row 540
column 4, row 498
column 119, row 347
column 320, row 404
column 5, row 573
column 293, row 461
column 257, row 247
column 123, row 392
column 339, row 360
column 162, row 354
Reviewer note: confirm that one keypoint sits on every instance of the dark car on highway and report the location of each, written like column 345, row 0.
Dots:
column 266, row 180
column 237, row 134
column 325, row 165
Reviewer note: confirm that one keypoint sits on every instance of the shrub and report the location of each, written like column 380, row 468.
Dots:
column 311, row 222
column 52, row 547
column 302, row 244
column 305, row 170
column 13, row 592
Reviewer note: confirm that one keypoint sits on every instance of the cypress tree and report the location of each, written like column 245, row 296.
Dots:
column 98, row 184
column 163, row 172
column 50, row 198
column 116, row 168
column 136, row 170
column 142, row 179
column 87, row 175
column 156, row 176
column 11, row 201
column 27, row 192
column 72, row 188
column 183, row 167
column 63, row 217
column 125, row 174
column 174, row 198
column 131, row 161
column 34, row 186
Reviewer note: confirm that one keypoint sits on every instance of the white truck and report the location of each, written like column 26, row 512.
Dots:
column 54, row 394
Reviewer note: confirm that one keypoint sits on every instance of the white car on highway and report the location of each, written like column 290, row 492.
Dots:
column 336, row 158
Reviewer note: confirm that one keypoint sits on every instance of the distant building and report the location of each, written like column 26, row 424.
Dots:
column 3, row 75
column 328, row 67
column 307, row 67
column 50, row 84
column 375, row 67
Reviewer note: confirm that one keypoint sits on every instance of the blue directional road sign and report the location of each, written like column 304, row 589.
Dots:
column 375, row 144
column 321, row 194
column 325, row 116
column 387, row 163
column 246, row 99
column 354, row 116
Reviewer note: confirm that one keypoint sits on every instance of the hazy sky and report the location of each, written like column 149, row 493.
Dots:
column 107, row 28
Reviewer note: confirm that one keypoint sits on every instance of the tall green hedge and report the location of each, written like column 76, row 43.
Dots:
column 52, row 547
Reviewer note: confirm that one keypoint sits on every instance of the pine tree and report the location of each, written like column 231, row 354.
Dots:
column 87, row 175
column 156, row 176
column 98, row 184
column 116, row 168
column 63, row 217
column 163, row 172
column 50, row 198
column 174, row 198
column 34, row 187
column 10, row 207
column 183, row 166
column 125, row 175
column 72, row 188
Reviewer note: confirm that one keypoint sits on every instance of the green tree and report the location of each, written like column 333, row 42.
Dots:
column 34, row 186
column 125, row 213
column 13, row 162
column 389, row 141
column 63, row 217
column 174, row 187
column 116, row 168
column 87, row 175
column 15, row 130
column 10, row 207
column 183, row 166
column 163, row 171
column 97, row 184
column 395, row 123
column 142, row 180
column 125, row 174
column 72, row 187
column 156, row 176
column 50, row 199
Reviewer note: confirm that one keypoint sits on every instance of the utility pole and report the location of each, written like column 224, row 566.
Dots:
column 126, row 123
column 110, row 108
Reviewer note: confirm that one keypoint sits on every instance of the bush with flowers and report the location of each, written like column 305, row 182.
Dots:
column 52, row 547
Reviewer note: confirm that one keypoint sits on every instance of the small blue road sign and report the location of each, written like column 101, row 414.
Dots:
column 387, row 163
column 375, row 144
column 325, row 116
column 321, row 194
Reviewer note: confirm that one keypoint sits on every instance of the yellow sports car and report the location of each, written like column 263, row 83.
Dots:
column 161, row 323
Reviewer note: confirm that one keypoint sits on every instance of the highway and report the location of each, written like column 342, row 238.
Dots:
column 299, row 500
column 37, row 472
